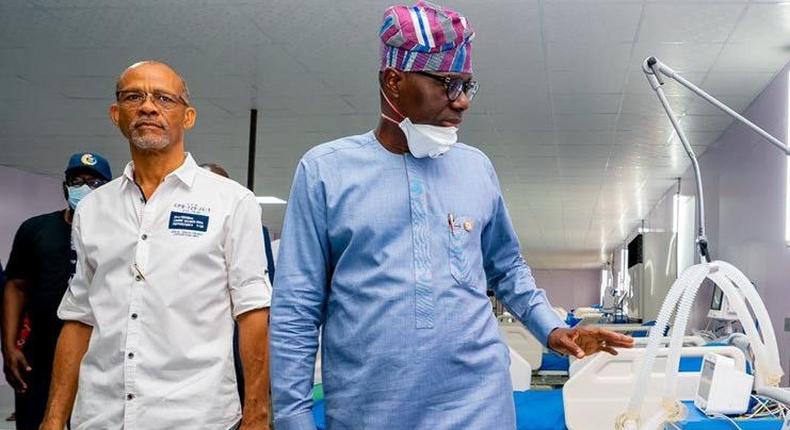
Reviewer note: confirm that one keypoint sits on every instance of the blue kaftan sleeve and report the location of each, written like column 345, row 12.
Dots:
column 299, row 295
column 509, row 276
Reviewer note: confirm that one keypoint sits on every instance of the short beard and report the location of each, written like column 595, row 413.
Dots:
column 148, row 142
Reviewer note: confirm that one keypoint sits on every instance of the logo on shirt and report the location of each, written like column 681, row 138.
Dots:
column 188, row 223
column 189, row 219
column 192, row 208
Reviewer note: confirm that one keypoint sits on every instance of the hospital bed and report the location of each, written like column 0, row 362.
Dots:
column 590, row 379
column 588, row 315
column 604, row 374
column 547, row 368
column 550, row 369
column 602, row 379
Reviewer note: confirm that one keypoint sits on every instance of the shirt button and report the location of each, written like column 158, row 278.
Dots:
column 130, row 355
column 144, row 237
column 130, row 396
column 138, row 278
column 134, row 316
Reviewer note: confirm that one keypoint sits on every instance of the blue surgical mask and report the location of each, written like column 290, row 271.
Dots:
column 76, row 194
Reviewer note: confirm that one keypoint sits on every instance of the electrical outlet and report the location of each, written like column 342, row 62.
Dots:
column 787, row 324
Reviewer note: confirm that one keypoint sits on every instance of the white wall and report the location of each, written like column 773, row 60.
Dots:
column 23, row 195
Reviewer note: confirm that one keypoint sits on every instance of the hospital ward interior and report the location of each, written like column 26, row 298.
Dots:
column 641, row 149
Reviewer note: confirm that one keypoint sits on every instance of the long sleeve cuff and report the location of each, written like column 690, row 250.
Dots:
column 541, row 321
column 303, row 421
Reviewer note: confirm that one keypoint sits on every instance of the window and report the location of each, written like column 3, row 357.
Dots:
column 787, row 186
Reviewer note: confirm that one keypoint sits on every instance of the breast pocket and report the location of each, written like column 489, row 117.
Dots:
column 464, row 250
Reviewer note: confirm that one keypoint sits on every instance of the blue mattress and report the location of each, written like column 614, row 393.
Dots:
column 539, row 410
column 544, row 410
column 696, row 420
column 535, row 410
column 554, row 362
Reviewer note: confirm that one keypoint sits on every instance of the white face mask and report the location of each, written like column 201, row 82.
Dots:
column 424, row 140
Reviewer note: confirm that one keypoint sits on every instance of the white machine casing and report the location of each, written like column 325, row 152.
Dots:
column 723, row 389
column 600, row 385
column 520, row 372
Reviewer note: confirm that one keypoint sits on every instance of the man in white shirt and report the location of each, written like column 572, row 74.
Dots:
column 168, row 255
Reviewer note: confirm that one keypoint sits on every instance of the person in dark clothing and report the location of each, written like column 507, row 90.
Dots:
column 219, row 170
column 41, row 263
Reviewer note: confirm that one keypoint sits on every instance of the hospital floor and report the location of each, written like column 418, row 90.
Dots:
column 6, row 406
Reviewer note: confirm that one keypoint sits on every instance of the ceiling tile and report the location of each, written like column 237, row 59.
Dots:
column 578, row 139
column 681, row 57
column 737, row 83
column 754, row 57
column 612, row 22
column 581, row 103
column 689, row 22
column 764, row 24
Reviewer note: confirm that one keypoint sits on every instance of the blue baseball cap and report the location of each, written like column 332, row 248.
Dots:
column 90, row 162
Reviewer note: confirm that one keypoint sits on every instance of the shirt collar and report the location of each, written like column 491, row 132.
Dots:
column 185, row 173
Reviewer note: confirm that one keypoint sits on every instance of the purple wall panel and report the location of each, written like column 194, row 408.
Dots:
column 23, row 195
column 570, row 288
column 745, row 191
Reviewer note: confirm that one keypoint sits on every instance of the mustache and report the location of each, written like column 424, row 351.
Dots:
column 148, row 121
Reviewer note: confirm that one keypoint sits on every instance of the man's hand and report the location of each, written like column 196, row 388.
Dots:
column 72, row 344
column 254, row 352
column 583, row 341
column 15, row 367
column 254, row 423
column 49, row 424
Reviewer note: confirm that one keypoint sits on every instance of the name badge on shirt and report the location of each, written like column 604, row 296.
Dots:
column 188, row 222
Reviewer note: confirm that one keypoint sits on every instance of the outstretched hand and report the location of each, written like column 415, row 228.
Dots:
column 583, row 341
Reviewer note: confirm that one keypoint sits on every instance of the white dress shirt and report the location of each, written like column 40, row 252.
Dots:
column 160, row 282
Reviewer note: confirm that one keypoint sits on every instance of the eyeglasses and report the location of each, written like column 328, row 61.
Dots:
column 164, row 100
column 455, row 85
column 93, row 183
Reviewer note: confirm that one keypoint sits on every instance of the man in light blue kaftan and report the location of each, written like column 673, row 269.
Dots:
column 389, row 256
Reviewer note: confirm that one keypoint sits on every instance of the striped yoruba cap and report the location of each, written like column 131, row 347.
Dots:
column 425, row 37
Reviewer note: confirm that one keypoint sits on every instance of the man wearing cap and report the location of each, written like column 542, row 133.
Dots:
column 39, row 268
column 169, row 255
column 390, row 241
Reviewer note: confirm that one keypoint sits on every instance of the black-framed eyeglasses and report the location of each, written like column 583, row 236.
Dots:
column 454, row 86
column 162, row 99
column 78, row 181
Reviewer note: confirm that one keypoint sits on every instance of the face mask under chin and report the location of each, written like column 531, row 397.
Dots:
column 424, row 140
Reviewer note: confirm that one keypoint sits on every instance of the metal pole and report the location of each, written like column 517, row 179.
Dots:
column 251, row 153
column 702, row 241
column 652, row 67
column 656, row 66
